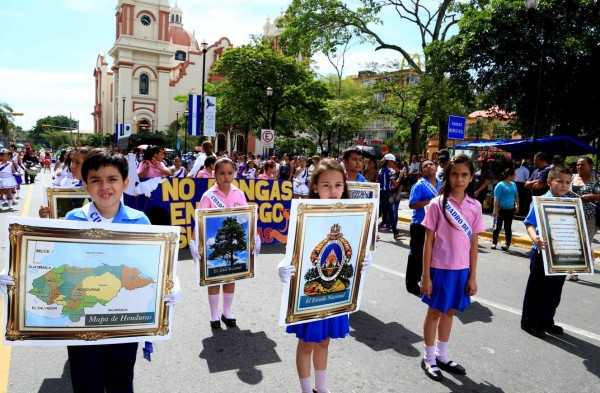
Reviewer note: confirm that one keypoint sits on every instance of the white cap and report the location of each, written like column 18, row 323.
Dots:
column 389, row 157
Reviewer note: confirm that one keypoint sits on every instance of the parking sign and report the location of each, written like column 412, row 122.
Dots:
column 456, row 127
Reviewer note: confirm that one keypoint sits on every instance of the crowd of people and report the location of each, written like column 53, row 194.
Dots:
column 446, row 197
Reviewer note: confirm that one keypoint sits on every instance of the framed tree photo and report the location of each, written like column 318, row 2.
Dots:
column 81, row 283
column 327, row 245
column 561, row 222
column 225, row 239
column 62, row 200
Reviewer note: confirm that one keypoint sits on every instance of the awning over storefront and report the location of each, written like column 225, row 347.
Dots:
column 525, row 148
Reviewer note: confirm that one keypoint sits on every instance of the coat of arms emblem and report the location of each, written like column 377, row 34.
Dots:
column 331, row 270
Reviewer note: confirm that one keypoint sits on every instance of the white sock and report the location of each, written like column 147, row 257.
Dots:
column 227, row 302
column 429, row 357
column 440, row 351
column 213, row 301
column 306, row 385
column 321, row 381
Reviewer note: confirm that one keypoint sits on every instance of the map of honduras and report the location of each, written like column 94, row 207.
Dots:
column 107, row 279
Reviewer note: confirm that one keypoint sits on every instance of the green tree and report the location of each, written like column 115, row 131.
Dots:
column 38, row 134
column 540, row 64
column 324, row 25
column 230, row 240
column 248, row 71
column 6, row 119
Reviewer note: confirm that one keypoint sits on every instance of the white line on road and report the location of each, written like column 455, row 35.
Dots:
column 503, row 307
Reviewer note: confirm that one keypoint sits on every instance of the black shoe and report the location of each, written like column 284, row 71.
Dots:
column 504, row 248
column 432, row 372
column 451, row 367
column 534, row 332
column 227, row 321
column 215, row 324
column 555, row 329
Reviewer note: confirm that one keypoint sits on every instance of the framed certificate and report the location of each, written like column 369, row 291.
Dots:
column 363, row 190
column 62, row 200
column 328, row 242
column 225, row 240
column 80, row 283
column 561, row 222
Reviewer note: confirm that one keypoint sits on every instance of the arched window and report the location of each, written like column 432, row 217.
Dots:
column 144, row 84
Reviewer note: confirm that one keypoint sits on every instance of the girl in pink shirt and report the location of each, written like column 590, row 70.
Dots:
column 152, row 165
column 209, row 168
column 452, row 224
column 230, row 196
column 268, row 170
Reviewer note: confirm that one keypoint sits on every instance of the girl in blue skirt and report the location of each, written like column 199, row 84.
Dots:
column 328, row 181
column 452, row 224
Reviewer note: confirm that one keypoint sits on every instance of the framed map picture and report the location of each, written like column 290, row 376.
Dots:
column 225, row 240
column 80, row 283
column 363, row 190
column 62, row 200
column 562, row 224
column 327, row 245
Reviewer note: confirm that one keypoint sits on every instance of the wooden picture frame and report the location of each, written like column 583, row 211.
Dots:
column 225, row 239
column 80, row 283
column 327, row 245
column 62, row 200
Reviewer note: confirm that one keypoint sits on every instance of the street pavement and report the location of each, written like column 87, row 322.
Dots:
column 382, row 352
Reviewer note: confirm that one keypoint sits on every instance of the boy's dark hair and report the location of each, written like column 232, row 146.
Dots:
column 98, row 158
column 349, row 151
column 556, row 170
column 325, row 165
column 542, row 156
column 558, row 160
column 443, row 156
column 209, row 161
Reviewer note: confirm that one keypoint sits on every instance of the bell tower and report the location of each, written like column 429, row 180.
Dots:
column 141, row 54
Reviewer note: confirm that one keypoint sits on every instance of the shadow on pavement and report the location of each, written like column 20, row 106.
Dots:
column 380, row 336
column 588, row 352
column 231, row 349
column 468, row 385
column 475, row 313
column 58, row 385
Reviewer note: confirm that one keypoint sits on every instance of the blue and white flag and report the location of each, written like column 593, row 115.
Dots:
column 195, row 113
column 119, row 132
column 210, row 115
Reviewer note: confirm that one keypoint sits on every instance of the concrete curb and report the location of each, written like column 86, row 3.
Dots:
column 517, row 241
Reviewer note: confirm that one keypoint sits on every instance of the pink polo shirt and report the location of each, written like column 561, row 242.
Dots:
column 205, row 174
column 152, row 171
column 233, row 199
column 264, row 176
column 451, row 245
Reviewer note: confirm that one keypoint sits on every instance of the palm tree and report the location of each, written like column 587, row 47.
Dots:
column 6, row 118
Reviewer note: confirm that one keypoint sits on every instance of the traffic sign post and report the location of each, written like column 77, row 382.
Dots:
column 267, row 137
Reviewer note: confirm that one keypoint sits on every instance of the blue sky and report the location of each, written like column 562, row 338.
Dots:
column 49, row 48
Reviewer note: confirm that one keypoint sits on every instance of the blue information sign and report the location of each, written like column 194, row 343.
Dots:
column 456, row 127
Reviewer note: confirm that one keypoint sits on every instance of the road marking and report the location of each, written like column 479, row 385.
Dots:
column 516, row 311
column 5, row 349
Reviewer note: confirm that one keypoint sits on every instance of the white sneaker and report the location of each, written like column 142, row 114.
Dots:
column 4, row 203
column 14, row 202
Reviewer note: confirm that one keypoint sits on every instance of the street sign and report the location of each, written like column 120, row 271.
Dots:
column 456, row 127
column 267, row 137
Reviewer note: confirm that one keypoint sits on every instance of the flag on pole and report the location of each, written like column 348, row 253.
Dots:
column 195, row 111
column 119, row 131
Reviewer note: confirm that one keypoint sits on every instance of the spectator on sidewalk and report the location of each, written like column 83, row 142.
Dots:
column 413, row 172
column 506, row 204
column 443, row 161
column 538, row 181
column 521, row 176
column 483, row 177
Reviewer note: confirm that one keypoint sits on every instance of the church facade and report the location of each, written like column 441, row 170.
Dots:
column 154, row 59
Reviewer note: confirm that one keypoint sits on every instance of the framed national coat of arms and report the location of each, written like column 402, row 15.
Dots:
column 327, row 245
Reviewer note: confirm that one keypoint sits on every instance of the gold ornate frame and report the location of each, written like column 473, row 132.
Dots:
column 28, row 230
column 302, row 212
column 355, row 188
column 561, row 222
column 202, row 215
column 56, row 195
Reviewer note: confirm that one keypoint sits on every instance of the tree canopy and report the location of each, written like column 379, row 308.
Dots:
column 230, row 240
column 5, row 118
column 247, row 72
column 540, row 64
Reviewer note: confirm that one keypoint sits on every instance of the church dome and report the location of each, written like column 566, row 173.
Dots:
column 182, row 37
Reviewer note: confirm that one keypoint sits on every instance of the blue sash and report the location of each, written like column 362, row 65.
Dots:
column 218, row 203
column 429, row 186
